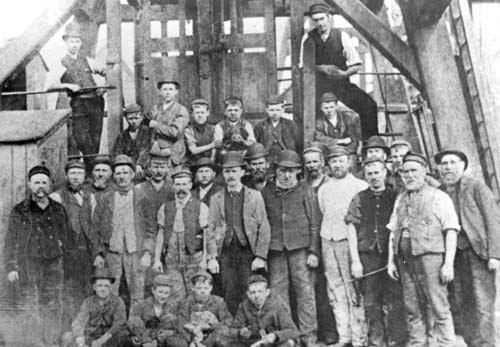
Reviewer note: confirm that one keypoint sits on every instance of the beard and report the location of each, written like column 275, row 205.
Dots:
column 339, row 173
column 75, row 187
column 313, row 173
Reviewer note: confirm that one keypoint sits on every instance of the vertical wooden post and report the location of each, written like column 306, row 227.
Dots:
column 309, row 91
column 219, row 58
column 114, row 69
column 204, row 45
column 236, row 15
column 271, row 62
column 296, row 32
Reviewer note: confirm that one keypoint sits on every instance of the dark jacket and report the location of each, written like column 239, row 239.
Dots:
column 479, row 217
column 274, row 317
column 289, row 134
column 22, row 233
column 124, row 144
column 293, row 216
column 166, row 321
column 328, row 135
column 206, row 199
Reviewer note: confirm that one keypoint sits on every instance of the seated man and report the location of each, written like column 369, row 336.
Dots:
column 336, row 127
column 203, row 316
column 102, row 315
column 262, row 319
column 233, row 133
column 199, row 135
column 158, row 316
column 134, row 140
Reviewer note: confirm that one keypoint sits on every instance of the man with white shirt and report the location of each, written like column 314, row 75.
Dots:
column 336, row 61
column 204, row 172
column 334, row 197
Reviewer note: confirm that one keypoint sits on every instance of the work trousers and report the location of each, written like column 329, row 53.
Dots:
column 235, row 269
column 474, row 294
column 189, row 266
column 327, row 327
column 292, row 265
column 384, row 329
column 428, row 314
column 135, row 274
column 345, row 296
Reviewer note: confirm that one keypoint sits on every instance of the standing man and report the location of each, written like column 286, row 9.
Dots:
column 199, row 134
column 314, row 164
column 238, row 232
column 368, row 236
column 204, row 172
column 118, row 232
column 334, row 197
column 277, row 133
column 423, row 239
column 38, row 236
column 478, row 243
column 168, row 120
column 87, row 106
column 336, row 61
column 375, row 147
column 293, row 212
column 257, row 160
column 101, row 176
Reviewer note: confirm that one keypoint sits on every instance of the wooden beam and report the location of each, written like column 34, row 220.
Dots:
column 114, row 69
column 272, row 76
column 19, row 51
column 309, row 96
column 427, row 12
column 205, row 31
column 296, row 33
column 380, row 36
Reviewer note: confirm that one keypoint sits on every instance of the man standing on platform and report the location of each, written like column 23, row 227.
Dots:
column 238, row 232
column 336, row 61
column 478, row 253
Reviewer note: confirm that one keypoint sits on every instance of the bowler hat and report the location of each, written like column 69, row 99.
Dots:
column 233, row 159
column 199, row 102
column 376, row 142
column 256, row 151
column 182, row 172
column 132, row 108
column 74, row 164
column 39, row 169
column 288, row 158
column 416, row 157
column 328, row 97
column 337, row 151
column 205, row 162
column 202, row 274
column 256, row 278
column 102, row 273
column 101, row 159
column 162, row 280
column 274, row 100
column 156, row 153
column 123, row 159
column 438, row 157
column 319, row 8
column 72, row 30
column 401, row 142
column 161, row 83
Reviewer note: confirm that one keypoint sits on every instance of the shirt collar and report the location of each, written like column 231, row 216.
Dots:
column 237, row 190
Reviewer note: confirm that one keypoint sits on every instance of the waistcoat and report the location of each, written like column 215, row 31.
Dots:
column 193, row 237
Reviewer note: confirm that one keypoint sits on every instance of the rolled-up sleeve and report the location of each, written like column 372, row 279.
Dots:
column 353, row 212
column 445, row 211
column 393, row 221
column 350, row 53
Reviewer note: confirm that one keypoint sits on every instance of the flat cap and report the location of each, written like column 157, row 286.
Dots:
column 274, row 100
column 161, row 83
column 328, row 97
column 103, row 273
column 401, row 142
column 74, row 164
column 337, row 151
column 376, row 142
column 438, row 157
column 182, row 172
column 123, row 159
column 256, row 151
column 288, row 158
column 314, row 147
column 373, row 160
column 233, row 159
column 257, row 279
column 416, row 157
column 39, row 169
column 132, row 108
column 199, row 102
column 201, row 274
column 72, row 30
column 162, row 280
column 101, row 159
column 205, row 162
column 319, row 8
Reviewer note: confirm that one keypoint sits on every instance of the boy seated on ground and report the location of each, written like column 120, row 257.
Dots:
column 204, row 317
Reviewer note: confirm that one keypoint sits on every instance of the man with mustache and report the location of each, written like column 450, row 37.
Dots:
column 257, row 161
column 205, row 170
column 314, row 164
column 293, row 212
column 181, row 222
column 478, row 248
column 334, row 197
column 38, row 236
column 422, row 246
column 101, row 172
column 368, row 236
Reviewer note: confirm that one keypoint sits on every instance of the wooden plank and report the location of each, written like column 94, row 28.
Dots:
column 114, row 69
column 427, row 12
column 147, row 80
column 296, row 33
column 309, row 94
column 205, row 43
column 271, row 61
column 253, row 94
column 218, row 59
column 380, row 36
column 236, row 15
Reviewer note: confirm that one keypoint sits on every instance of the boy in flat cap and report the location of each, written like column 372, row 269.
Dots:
column 262, row 319
column 422, row 246
column 169, row 119
column 199, row 134
column 203, row 316
column 99, row 322
column 38, row 237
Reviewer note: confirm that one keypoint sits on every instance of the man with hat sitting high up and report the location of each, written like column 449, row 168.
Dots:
column 199, row 134
column 293, row 212
column 258, row 163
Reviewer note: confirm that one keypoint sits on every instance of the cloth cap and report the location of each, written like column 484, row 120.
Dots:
column 72, row 30
column 101, row 159
column 182, row 172
column 288, row 158
column 376, row 142
column 102, row 274
column 202, row 274
column 256, row 279
column 132, row 108
column 274, row 100
column 205, row 162
column 417, row 157
column 233, row 159
column 74, row 164
column 39, row 169
column 401, row 142
column 314, row 147
column 373, row 160
column 438, row 157
column 256, row 151
column 328, row 97
column 123, row 159
column 319, row 8
column 161, row 83
column 337, row 151
column 162, row 280
column 199, row 102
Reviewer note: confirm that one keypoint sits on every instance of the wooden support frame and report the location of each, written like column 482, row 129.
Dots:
column 427, row 11
column 296, row 33
column 205, row 31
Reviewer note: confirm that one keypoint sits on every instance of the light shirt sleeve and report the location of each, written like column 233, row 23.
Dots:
column 95, row 67
column 320, row 200
column 249, row 129
column 350, row 52
column 218, row 133
column 161, row 216
column 445, row 211
column 189, row 136
column 393, row 221
column 301, row 56
column 203, row 215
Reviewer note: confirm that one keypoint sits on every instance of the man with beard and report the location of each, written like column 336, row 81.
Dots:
column 314, row 162
column 256, row 158
column 78, row 266
column 100, row 176
column 181, row 222
column 478, row 253
column 262, row 319
column 292, row 209
column 118, row 232
column 204, row 317
column 334, row 197
column 168, row 121
column 423, row 241
column 368, row 236
column 38, row 236
column 199, row 134
column 375, row 147
column 204, row 171
column 238, row 233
